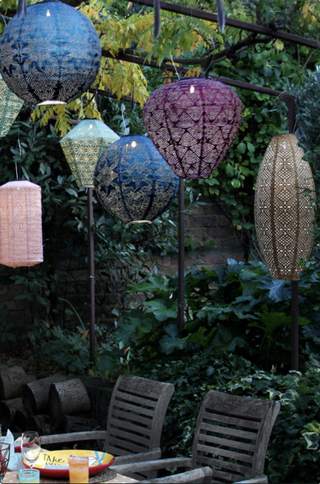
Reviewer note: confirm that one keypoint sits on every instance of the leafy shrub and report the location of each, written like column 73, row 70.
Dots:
column 235, row 308
column 236, row 339
column 294, row 449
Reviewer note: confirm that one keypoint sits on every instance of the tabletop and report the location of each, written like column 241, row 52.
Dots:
column 12, row 477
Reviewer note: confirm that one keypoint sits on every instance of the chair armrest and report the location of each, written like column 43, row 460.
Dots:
column 73, row 437
column 153, row 465
column 202, row 474
column 140, row 457
column 262, row 479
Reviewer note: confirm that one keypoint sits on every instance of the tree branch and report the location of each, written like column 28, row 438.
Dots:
column 209, row 59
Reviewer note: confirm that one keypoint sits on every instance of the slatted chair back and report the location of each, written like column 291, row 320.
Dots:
column 232, row 435
column 136, row 415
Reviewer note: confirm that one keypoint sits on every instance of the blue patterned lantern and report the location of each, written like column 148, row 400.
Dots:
column 132, row 180
column 49, row 55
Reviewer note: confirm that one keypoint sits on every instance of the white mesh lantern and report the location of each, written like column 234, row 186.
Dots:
column 20, row 224
column 284, row 208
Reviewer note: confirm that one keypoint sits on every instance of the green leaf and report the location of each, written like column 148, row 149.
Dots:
column 71, row 191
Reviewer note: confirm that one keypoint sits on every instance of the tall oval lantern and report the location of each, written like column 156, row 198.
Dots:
column 51, row 55
column 192, row 123
column 83, row 146
column 20, row 224
column 132, row 180
column 284, row 207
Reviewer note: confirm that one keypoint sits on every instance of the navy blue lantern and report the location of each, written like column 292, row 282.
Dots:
column 132, row 180
column 50, row 54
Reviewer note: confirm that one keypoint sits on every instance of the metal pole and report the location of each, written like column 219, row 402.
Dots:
column 294, row 325
column 181, row 255
column 91, row 275
column 294, row 284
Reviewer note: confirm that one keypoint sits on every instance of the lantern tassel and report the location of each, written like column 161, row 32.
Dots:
column 22, row 9
column 156, row 23
column 221, row 15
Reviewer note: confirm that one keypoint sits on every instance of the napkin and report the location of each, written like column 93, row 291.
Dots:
column 15, row 461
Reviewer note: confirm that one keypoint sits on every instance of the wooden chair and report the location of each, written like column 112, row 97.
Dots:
column 135, row 419
column 230, row 443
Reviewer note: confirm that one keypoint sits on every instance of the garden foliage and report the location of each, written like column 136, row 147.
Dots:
column 236, row 336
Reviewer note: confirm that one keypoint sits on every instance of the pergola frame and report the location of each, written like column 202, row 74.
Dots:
column 283, row 96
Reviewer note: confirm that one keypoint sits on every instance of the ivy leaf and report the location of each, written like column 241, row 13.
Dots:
column 312, row 440
column 278, row 290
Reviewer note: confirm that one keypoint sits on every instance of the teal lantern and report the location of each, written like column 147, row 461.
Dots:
column 10, row 106
column 83, row 146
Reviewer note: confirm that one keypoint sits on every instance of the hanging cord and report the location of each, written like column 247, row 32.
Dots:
column 16, row 167
column 221, row 15
column 22, row 8
column 89, row 100
column 97, row 99
column 175, row 68
column 20, row 153
column 4, row 18
column 157, row 20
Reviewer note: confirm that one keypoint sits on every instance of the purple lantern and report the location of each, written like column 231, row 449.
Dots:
column 192, row 123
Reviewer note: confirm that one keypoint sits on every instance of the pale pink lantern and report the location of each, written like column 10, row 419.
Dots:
column 20, row 224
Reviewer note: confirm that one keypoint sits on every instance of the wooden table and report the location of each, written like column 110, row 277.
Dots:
column 12, row 477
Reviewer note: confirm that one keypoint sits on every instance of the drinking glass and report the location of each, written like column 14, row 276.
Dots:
column 78, row 469
column 4, row 459
column 30, row 447
column 29, row 476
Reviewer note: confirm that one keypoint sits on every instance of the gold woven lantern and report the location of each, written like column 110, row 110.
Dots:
column 20, row 224
column 83, row 146
column 10, row 106
column 284, row 210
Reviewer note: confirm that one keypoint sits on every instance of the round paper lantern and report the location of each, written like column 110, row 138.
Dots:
column 192, row 123
column 10, row 106
column 132, row 180
column 83, row 146
column 50, row 55
column 20, row 224
column 284, row 212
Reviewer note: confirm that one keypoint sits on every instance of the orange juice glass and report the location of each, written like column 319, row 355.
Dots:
column 78, row 469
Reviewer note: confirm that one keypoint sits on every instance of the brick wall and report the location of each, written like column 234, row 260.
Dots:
column 202, row 223
column 207, row 223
